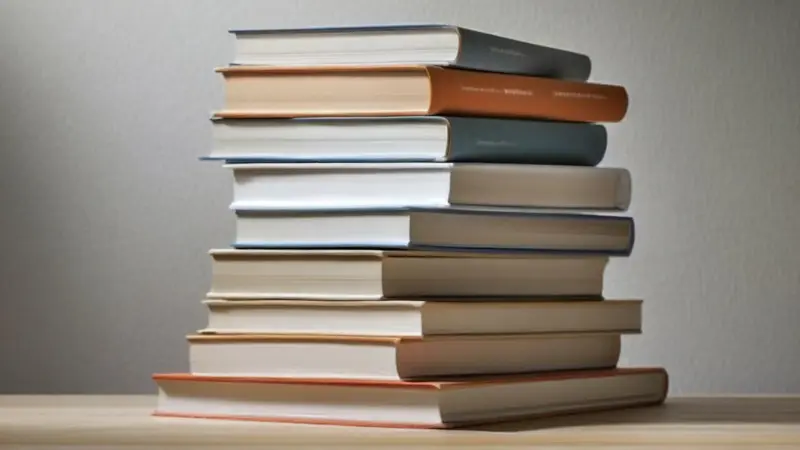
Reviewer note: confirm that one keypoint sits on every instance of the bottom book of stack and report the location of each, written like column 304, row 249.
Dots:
column 407, row 404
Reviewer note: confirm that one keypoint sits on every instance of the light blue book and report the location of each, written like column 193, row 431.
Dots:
column 404, row 44
column 410, row 139
column 436, row 228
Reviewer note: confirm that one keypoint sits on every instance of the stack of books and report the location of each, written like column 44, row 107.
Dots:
column 422, row 231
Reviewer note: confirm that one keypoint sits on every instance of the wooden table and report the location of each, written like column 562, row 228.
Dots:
column 92, row 422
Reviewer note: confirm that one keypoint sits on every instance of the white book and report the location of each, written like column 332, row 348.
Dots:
column 385, row 185
column 422, row 318
column 398, row 357
column 377, row 274
column 418, row 404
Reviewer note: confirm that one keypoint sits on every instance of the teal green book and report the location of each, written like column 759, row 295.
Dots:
column 408, row 139
column 453, row 228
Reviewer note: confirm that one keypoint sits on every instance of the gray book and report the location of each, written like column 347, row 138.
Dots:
column 422, row 44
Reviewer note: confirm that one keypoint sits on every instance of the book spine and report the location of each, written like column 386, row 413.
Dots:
column 617, row 224
column 487, row 52
column 526, row 141
column 470, row 93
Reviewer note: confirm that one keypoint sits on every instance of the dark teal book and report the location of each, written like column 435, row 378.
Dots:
column 436, row 228
column 408, row 139
column 423, row 44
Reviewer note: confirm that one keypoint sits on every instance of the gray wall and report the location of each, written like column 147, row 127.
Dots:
column 107, row 214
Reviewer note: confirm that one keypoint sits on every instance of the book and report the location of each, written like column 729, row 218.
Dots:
column 398, row 357
column 263, row 92
column 412, row 138
column 340, row 274
column 305, row 186
column 432, row 404
column 435, row 44
column 447, row 228
column 414, row 317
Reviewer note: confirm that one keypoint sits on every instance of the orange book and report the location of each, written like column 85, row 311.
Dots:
column 403, row 404
column 262, row 92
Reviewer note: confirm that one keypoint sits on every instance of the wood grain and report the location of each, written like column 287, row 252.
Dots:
column 114, row 421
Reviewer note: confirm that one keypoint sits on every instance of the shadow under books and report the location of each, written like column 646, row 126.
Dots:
column 688, row 411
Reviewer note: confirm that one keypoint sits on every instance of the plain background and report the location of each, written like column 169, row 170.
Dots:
column 107, row 214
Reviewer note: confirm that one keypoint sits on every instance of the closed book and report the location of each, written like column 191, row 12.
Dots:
column 433, row 228
column 306, row 186
column 401, row 404
column 420, row 317
column 412, row 138
column 342, row 275
column 258, row 91
column 435, row 44
column 397, row 357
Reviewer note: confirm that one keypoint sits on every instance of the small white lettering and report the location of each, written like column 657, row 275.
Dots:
column 483, row 143
column 517, row 92
column 488, row 90
column 586, row 95
column 503, row 91
column 507, row 51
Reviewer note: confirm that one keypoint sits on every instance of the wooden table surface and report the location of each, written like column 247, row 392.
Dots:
column 114, row 421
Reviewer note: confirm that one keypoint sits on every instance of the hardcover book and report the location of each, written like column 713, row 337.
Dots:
column 341, row 275
column 261, row 92
column 398, row 357
column 432, row 228
column 435, row 44
column 400, row 404
column 305, row 186
column 412, row 138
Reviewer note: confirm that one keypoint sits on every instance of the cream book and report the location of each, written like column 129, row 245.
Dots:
column 398, row 357
column 430, row 404
column 419, row 318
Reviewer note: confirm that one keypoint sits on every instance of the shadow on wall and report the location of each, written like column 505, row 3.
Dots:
column 104, row 226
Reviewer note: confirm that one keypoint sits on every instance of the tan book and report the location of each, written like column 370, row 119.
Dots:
column 259, row 91
column 380, row 274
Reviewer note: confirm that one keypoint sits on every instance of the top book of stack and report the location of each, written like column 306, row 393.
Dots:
column 428, row 44
column 410, row 70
